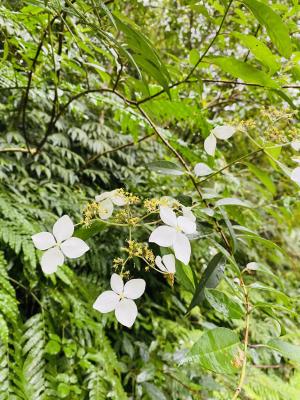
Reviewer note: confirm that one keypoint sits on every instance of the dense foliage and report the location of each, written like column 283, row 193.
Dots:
column 97, row 96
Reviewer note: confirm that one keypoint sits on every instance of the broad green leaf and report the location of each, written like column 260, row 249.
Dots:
column 244, row 71
column 210, row 279
column 142, row 51
column 261, row 52
column 288, row 350
column 277, row 30
column 217, row 350
column 184, row 276
column 263, row 176
column 89, row 231
column 231, row 201
column 165, row 168
column 277, row 293
column 194, row 56
column 229, row 307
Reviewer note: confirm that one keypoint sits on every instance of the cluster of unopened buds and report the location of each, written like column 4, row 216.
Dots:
column 175, row 233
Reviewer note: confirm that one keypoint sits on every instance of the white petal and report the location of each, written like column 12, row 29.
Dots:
column 106, row 209
column 116, row 283
column 210, row 144
column 126, row 312
column 43, row 240
column 202, row 169
column 74, row 247
column 223, row 132
column 106, row 302
column 187, row 225
column 295, row 175
column 158, row 262
column 63, row 228
column 51, row 259
column 163, row 236
column 117, row 199
column 134, row 288
column 296, row 145
column 182, row 248
column 169, row 261
column 168, row 216
column 187, row 213
column 102, row 196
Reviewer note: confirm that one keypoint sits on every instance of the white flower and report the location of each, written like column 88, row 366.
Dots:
column 173, row 234
column 223, row 132
column 59, row 244
column 187, row 212
column 296, row 145
column 202, row 169
column 120, row 299
column 107, row 201
column 295, row 175
column 166, row 263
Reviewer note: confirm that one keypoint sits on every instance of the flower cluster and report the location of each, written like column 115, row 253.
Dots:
column 175, row 233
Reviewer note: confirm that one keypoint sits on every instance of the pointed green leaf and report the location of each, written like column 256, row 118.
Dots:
column 216, row 350
column 229, row 307
column 277, row 30
column 210, row 279
column 288, row 350
column 244, row 71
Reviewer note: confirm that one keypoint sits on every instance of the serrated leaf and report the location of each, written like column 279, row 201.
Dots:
column 216, row 350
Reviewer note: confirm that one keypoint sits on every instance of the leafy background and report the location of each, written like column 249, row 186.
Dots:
column 91, row 94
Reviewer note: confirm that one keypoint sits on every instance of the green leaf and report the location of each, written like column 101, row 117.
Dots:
column 227, row 306
column 194, row 56
column 216, row 350
column 52, row 347
column 142, row 51
column 244, row 71
column 277, row 30
column 277, row 293
column 184, row 276
column 210, row 279
column 231, row 201
column 85, row 232
column 263, row 176
column 259, row 50
column 288, row 350
column 165, row 168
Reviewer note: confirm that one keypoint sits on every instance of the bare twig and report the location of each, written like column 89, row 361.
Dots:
column 123, row 146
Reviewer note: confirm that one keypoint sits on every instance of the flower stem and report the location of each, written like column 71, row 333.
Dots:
column 246, row 341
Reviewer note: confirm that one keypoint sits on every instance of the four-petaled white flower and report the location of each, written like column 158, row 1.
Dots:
column 223, row 132
column 120, row 299
column 166, row 263
column 59, row 244
column 107, row 200
column 173, row 234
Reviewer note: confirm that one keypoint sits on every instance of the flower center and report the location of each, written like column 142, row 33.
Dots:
column 178, row 229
